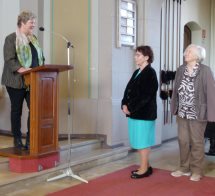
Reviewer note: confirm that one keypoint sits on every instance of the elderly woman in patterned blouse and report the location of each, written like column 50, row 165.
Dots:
column 192, row 102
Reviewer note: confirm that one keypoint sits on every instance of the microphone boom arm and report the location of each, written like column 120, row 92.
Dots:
column 64, row 38
column 69, row 44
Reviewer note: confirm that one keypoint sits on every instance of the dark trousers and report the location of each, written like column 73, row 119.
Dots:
column 17, row 97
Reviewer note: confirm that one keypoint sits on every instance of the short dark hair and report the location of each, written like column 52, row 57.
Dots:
column 146, row 51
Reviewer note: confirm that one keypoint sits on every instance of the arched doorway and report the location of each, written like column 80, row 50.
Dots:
column 192, row 34
column 187, row 37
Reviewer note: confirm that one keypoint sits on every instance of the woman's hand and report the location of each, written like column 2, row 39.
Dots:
column 22, row 69
column 125, row 109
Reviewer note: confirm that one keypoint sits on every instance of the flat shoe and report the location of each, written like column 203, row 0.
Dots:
column 146, row 174
column 179, row 173
column 137, row 176
column 195, row 177
column 150, row 170
column 210, row 153
column 18, row 143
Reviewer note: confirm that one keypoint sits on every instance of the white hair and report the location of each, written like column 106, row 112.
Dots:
column 200, row 52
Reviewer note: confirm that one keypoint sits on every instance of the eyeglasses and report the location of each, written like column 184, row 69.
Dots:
column 32, row 22
column 138, row 55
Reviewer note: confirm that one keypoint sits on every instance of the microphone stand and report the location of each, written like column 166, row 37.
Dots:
column 68, row 172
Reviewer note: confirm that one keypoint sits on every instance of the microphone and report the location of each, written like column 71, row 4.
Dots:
column 59, row 35
column 41, row 29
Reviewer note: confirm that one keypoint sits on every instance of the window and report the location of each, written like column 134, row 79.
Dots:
column 126, row 25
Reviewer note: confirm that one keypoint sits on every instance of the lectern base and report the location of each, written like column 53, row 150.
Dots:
column 33, row 164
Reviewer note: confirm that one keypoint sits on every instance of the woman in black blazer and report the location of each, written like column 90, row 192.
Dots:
column 139, row 105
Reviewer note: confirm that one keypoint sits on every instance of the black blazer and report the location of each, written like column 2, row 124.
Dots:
column 140, row 94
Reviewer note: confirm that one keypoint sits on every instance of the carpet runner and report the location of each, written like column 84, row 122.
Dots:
column 160, row 183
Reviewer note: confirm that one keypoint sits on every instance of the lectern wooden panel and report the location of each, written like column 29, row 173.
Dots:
column 43, row 112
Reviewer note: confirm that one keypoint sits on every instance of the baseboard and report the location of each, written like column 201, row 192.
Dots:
column 5, row 133
column 61, row 137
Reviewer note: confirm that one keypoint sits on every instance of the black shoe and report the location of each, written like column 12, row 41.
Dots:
column 18, row 143
column 27, row 144
column 150, row 170
column 210, row 153
column 146, row 174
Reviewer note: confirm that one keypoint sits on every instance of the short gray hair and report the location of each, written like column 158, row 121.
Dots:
column 200, row 52
column 24, row 17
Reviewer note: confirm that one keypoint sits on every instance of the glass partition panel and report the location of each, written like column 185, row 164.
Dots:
column 78, row 88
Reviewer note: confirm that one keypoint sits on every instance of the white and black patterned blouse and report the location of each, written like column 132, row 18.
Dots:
column 186, row 95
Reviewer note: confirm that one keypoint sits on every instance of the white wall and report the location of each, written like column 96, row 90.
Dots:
column 45, row 36
column 8, row 23
column 212, row 43
column 9, row 11
column 198, row 11
column 106, row 38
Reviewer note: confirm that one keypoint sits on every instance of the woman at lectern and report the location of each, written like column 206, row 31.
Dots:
column 21, row 53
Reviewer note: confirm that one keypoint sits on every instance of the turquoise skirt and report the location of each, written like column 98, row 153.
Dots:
column 141, row 133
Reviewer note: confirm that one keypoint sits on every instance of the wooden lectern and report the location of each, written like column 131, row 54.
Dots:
column 44, row 87
column 44, row 118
